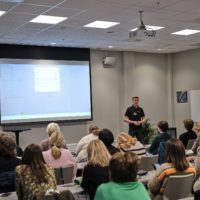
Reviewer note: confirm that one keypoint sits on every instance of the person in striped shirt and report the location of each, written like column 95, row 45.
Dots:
column 176, row 164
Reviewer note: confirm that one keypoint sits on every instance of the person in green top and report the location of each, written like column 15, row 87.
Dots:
column 124, row 185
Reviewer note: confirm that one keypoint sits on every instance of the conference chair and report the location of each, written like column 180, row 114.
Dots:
column 190, row 144
column 147, row 162
column 178, row 187
column 64, row 174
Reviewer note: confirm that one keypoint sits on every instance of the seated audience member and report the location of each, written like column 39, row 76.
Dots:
column 128, row 143
column 57, row 156
column 190, row 134
column 81, row 149
column 33, row 176
column 96, row 171
column 8, row 162
column 176, row 164
column 106, row 136
column 51, row 128
column 124, row 185
column 197, row 141
column 162, row 137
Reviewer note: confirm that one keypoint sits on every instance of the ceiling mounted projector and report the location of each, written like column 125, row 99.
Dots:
column 142, row 32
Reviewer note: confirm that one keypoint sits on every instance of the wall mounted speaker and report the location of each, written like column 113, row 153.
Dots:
column 109, row 60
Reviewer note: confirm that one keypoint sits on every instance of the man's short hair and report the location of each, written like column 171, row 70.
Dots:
column 163, row 125
column 135, row 97
column 124, row 167
column 188, row 124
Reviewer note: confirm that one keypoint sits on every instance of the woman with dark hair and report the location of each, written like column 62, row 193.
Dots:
column 33, row 176
column 176, row 163
column 8, row 162
column 106, row 136
column 124, row 185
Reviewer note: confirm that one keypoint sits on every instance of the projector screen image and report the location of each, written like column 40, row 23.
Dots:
column 44, row 90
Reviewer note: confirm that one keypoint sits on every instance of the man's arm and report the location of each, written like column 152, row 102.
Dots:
column 127, row 120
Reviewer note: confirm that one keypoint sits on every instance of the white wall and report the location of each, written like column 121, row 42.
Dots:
column 186, row 77
column 145, row 75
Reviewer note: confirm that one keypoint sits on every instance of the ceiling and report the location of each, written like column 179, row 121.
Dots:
column 174, row 15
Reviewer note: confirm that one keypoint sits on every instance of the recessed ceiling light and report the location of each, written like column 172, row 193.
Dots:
column 2, row 12
column 12, row 1
column 155, row 28
column 110, row 47
column 101, row 24
column 186, row 32
column 149, row 27
column 52, row 43
column 46, row 19
column 159, row 49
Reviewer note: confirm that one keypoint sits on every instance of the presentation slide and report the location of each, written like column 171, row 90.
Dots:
column 44, row 90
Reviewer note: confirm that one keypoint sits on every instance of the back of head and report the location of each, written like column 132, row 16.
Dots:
column 94, row 129
column 98, row 153
column 188, row 124
column 125, row 141
column 175, row 154
column 106, row 136
column 52, row 127
column 163, row 125
column 56, row 141
column 33, row 158
column 7, row 145
column 124, row 167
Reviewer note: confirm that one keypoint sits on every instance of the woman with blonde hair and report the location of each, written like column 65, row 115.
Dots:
column 128, row 143
column 81, row 149
column 57, row 156
column 51, row 128
column 96, row 171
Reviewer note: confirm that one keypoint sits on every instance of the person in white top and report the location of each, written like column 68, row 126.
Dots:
column 81, row 149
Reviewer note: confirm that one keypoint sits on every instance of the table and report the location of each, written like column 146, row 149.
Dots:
column 16, row 131
column 75, row 189
column 146, row 178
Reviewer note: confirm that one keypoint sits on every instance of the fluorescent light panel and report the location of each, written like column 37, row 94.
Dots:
column 101, row 24
column 2, row 12
column 46, row 19
column 186, row 32
column 149, row 27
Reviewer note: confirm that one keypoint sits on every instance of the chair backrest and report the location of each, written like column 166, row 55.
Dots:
column 147, row 162
column 64, row 174
column 190, row 143
column 178, row 186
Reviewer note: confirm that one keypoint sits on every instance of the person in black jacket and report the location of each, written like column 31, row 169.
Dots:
column 189, row 134
column 106, row 136
column 96, row 171
column 162, row 137
column 8, row 162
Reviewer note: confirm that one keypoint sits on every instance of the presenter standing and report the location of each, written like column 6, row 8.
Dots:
column 134, row 116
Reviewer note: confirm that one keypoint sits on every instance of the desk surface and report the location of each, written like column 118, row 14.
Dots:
column 144, row 179
column 75, row 189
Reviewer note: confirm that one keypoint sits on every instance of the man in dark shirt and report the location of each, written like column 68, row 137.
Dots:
column 190, row 134
column 162, row 137
column 134, row 116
